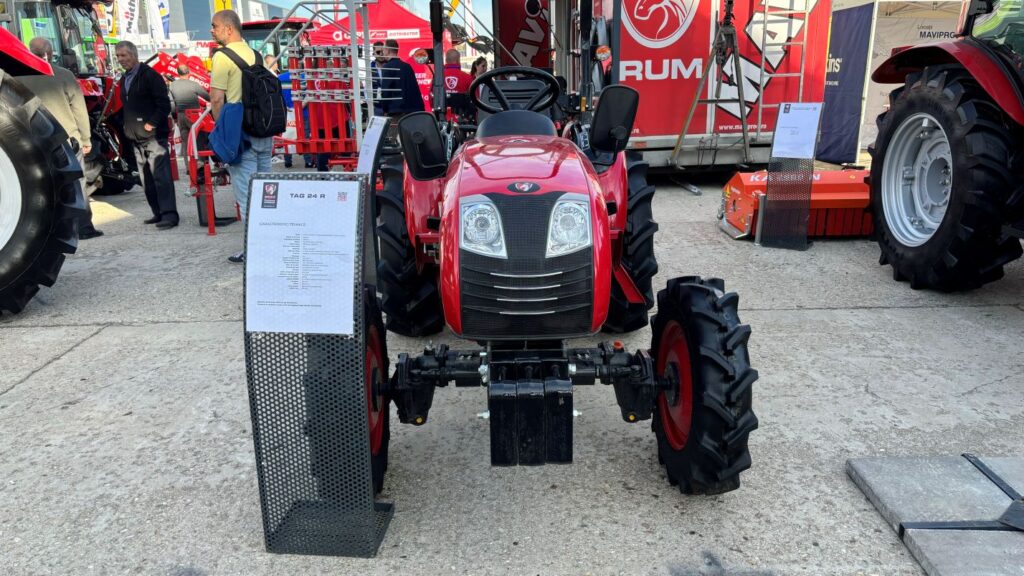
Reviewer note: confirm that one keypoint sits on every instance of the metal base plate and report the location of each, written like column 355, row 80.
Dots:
column 310, row 527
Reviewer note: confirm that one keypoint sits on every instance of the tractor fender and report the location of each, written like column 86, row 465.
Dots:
column 17, row 60
column 979, row 61
column 422, row 200
column 615, row 184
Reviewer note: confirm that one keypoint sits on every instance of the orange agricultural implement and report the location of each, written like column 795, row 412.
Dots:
column 839, row 204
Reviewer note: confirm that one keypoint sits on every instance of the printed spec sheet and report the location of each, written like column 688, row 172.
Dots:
column 300, row 265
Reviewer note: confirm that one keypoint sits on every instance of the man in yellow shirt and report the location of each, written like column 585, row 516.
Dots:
column 226, row 87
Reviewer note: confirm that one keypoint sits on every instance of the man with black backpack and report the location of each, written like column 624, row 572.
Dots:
column 243, row 91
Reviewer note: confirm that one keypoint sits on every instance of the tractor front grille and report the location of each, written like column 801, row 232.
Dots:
column 526, row 296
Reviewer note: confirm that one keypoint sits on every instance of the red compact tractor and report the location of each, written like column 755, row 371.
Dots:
column 946, row 188
column 520, row 239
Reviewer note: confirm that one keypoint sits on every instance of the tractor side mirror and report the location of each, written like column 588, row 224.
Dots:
column 613, row 119
column 422, row 146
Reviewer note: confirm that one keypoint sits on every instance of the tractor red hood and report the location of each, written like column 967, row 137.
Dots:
column 493, row 164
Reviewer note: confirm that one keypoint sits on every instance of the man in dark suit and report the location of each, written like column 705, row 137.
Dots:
column 400, row 94
column 146, row 108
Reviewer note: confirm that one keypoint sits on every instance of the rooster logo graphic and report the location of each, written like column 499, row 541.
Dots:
column 658, row 23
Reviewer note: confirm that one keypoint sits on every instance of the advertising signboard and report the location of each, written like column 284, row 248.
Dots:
column 663, row 45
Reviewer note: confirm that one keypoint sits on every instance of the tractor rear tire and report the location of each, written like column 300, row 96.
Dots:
column 40, row 196
column 410, row 297
column 637, row 252
column 703, row 422
column 942, row 183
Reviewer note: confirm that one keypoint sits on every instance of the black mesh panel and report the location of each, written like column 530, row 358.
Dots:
column 784, row 220
column 307, row 400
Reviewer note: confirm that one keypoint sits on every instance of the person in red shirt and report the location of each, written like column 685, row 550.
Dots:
column 455, row 80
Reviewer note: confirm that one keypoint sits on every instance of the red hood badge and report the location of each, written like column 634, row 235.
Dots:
column 523, row 187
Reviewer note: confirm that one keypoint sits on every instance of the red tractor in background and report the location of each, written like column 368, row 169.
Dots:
column 519, row 238
column 40, row 195
column 946, row 176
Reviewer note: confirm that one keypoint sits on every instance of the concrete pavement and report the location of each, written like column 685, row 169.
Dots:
column 127, row 445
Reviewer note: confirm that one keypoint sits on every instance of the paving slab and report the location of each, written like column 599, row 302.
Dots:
column 1011, row 470
column 928, row 489
column 946, row 489
column 968, row 553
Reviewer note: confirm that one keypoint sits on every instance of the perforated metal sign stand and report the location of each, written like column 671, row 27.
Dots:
column 308, row 404
column 786, row 207
column 782, row 220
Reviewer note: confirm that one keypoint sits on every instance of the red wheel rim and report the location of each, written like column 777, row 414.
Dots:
column 676, row 408
column 375, row 407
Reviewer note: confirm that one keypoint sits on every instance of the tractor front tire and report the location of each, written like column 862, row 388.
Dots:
column 40, row 196
column 379, row 404
column 410, row 297
column 637, row 252
column 941, row 182
column 703, row 421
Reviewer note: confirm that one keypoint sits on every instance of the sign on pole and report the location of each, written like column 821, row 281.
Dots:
column 300, row 250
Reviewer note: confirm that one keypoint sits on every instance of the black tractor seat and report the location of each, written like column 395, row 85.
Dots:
column 516, row 123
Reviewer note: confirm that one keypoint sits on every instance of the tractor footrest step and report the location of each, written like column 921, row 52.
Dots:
column 531, row 421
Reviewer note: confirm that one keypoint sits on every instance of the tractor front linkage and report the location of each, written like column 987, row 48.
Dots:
column 529, row 391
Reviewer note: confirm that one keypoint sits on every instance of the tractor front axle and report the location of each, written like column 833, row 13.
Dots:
column 529, row 391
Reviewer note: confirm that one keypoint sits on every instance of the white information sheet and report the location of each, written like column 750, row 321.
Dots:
column 368, row 151
column 300, row 263
column 796, row 130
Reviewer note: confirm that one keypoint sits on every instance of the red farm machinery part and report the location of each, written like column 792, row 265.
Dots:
column 946, row 188
column 40, row 195
column 514, row 235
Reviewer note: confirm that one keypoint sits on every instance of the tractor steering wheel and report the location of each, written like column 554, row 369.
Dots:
column 540, row 101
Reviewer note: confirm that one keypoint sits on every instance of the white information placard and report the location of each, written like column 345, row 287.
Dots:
column 796, row 130
column 300, row 256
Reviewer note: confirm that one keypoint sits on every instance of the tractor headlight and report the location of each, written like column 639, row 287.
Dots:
column 569, row 227
column 481, row 228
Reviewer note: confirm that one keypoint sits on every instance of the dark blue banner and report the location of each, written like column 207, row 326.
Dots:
column 844, row 84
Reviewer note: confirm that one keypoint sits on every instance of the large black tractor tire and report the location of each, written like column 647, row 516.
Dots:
column 940, row 227
column 40, row 196
column 637, row 252
column 703, row 421
column 410, row 297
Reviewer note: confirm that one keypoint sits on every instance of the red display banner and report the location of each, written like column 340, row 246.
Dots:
column 524, row 28
column 664, row 45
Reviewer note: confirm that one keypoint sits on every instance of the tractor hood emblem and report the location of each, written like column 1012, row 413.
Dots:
column 523, row 187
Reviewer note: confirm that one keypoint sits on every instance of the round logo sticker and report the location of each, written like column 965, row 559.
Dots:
column 523, row 187
column 658, row 23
